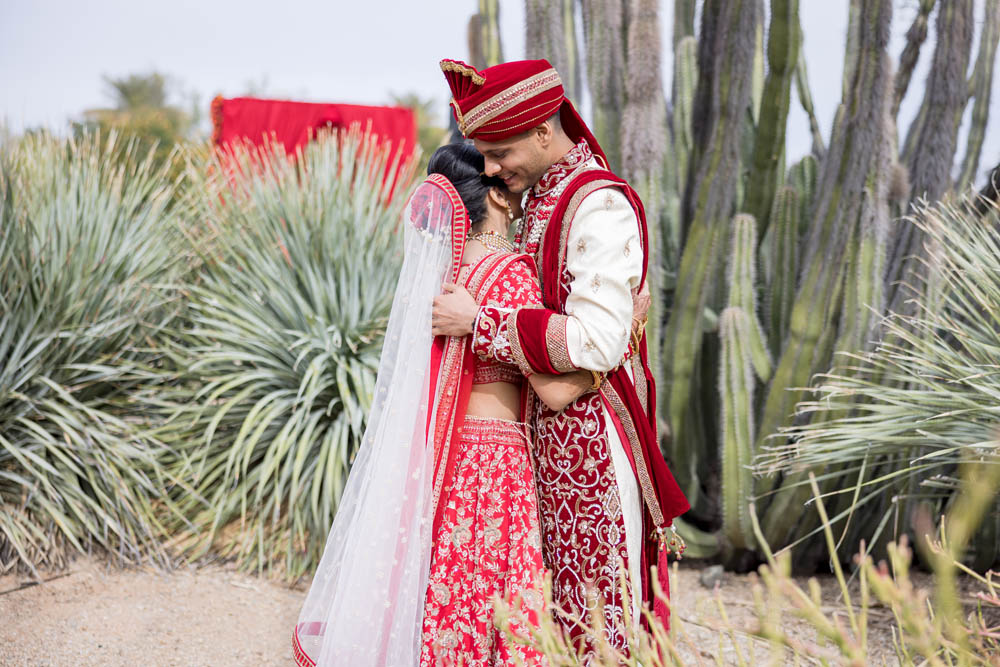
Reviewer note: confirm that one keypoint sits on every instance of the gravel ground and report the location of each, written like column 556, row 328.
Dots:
column 95, row 615
column 101, row 616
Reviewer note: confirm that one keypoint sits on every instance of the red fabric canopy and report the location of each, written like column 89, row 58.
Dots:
column 293, row 123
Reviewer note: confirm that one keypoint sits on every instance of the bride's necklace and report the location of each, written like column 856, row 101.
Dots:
column 493, row 241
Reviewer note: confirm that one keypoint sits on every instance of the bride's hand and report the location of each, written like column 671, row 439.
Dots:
column 454, row 312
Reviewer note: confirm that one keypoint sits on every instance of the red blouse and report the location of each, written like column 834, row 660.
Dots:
column 515, row 288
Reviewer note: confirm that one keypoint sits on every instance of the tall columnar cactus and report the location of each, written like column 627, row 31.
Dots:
column 736, row 398
column 679, row 143
column 980, row 88
column 863, row 287
column 851, row 48
column 805, row 99
column 684, row 11
column 802, row 176
column 765, row 166
column 836, row 210
column 784, row 254
column 931, row 155
column 685, row 82
column 744, row 353
column 741, row 279
column 725, row 62
column 551, row 34
column 915, row 37
column 644, row 139
column 485, row 49
column 489, row 26
column 603, row 29
column 757, row 78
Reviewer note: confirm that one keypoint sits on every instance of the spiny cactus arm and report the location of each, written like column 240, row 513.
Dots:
column 572, row 76
column 489, row 25
column 915, row 37
column 684, row 11
column 803, row 175
column 604, row 32
column 981, row 87
column 475, row 40
column 931, row 154
column 700, row 543
column 545, row 37
column 851, row 50
column 736, row 387
column 782, row 54
column 685, row 81
column 643, row 126
column 757, row 85
column 741, row 277
column 784, row 238
column 805, row 99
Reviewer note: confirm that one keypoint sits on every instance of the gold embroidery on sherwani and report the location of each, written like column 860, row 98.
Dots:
column 571, row 209
column 639, row 380
column 645, row 483
column 556, row 345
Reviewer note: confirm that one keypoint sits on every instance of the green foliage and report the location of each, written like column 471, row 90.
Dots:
column 85, row 245
column 899, row 419
column 275, row 367
column 142, row 113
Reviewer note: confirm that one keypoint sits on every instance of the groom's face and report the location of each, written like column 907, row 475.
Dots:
column 520, row 161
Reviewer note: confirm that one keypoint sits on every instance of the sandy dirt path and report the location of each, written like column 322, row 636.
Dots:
column 96, row 615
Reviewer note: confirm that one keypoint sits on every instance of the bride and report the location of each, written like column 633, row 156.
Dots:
column 439, row 515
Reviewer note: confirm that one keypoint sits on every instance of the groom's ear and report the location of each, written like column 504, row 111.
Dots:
column 544, row 133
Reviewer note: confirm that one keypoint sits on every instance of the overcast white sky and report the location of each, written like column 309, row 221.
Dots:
column 53, row 53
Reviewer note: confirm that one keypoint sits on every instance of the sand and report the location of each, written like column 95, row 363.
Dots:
column 98, row 615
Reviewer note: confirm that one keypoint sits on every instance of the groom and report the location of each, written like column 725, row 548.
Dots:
column 606, row 497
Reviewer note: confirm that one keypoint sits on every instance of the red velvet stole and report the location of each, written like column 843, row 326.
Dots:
column 531, row 330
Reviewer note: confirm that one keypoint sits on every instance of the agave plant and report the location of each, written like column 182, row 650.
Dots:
column 84, row 246
column 899, row 420
column 275, row 367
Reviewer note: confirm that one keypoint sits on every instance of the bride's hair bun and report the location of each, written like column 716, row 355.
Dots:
column 463, row 165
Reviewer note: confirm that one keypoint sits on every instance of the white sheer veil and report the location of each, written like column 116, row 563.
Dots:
column 365, row 606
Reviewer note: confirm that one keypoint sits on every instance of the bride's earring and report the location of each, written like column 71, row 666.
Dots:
column 510, row 211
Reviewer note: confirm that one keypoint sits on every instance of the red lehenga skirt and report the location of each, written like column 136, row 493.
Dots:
column 487, row 546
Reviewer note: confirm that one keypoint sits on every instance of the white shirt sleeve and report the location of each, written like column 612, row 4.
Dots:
column 604, row 258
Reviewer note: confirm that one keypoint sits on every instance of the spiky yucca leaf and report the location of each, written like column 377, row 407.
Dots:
column 926, row 398
column 84, row 244
column 278, row 363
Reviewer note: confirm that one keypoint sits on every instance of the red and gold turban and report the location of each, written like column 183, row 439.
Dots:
column 510, row 98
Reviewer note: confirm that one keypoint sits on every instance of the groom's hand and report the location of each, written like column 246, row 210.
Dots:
column 454, row 312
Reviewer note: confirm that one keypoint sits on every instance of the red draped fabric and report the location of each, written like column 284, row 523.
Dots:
column 294, row 123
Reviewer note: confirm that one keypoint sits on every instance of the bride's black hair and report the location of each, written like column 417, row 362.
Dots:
column 463, row 165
